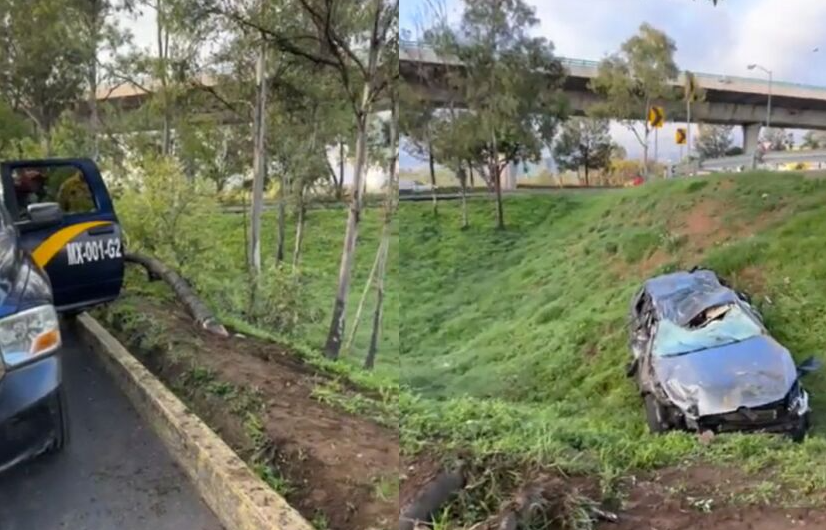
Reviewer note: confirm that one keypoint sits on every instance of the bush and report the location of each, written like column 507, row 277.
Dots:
column 161, row 215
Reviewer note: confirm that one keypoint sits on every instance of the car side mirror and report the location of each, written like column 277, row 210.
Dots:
column 808, row 366
column 45, row 213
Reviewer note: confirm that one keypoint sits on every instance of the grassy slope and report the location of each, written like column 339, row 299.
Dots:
column 514, row 342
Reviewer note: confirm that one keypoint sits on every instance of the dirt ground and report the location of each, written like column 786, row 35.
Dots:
column 705, row 225
column 704, row 498
column 694, row 498
column 343, row 468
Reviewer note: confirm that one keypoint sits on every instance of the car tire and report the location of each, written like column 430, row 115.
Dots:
column 656, row 415
column 798, row 434
column 61, row 439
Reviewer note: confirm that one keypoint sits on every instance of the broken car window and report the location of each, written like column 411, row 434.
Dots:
column 719, row 326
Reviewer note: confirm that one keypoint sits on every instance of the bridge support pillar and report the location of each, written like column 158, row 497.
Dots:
column 751, row 137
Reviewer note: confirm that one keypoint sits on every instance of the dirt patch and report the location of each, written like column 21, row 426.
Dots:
column 750, row 279
column 702, row 220
column 621, row 269
column 704, row 225
column 340, row 467
column 653, row 262
column 701, row 497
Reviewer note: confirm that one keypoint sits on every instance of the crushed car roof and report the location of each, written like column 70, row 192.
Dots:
column 681, row 296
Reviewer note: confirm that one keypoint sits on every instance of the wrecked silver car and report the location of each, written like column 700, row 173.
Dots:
column 703, row 360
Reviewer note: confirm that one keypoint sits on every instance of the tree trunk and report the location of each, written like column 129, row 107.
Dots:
column 299, row 229
column 472, row 178
column 197, row 309
column 94, row 117
column 336, row 331
column 463, row 186
column 370, row 279
column 645, row 144
column 370, row 360
column 586, row 175
column 645, row 157
column 340, row 184
column 163, row 56
column 364, row 107
column 391, row 197
column 259, row 158
column 496, row 174
column 282, row 218
column 432, row 164
column 246, row 229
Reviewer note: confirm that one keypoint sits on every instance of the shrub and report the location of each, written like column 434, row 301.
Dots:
column 160, row 215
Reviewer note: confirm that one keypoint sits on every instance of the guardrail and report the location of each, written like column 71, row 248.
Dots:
column 814, row 156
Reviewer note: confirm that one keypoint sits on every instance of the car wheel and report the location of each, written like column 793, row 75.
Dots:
column 656, row 415
column 62, row 424
column 799, row 432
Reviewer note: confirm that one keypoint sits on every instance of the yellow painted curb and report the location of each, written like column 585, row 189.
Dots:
column 240, row 499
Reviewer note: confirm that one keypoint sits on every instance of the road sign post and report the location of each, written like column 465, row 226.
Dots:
column 656, row 146
column 656, row 118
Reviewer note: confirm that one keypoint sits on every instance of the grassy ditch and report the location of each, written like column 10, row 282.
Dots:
column 513, row 343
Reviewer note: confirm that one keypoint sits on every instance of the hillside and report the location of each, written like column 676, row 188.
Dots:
column 513, row 344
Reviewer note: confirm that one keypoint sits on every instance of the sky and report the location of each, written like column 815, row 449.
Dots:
column 778, row 34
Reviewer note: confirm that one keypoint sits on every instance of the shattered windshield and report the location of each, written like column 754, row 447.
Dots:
column 715, row 327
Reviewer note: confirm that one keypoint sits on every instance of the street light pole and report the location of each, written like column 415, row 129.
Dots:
column 769, row 104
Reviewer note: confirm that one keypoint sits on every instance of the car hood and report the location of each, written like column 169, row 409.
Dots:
column 750, row 373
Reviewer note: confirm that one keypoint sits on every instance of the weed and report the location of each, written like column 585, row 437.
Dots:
column 385, row 411
column 696, row 185
column 320, row 521
column 704, row 505
column 386, row 488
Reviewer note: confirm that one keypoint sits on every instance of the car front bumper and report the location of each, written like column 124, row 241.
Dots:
column 29, row 410
column 773, row 417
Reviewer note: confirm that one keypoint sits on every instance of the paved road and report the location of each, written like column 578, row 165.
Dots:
column 114, row 475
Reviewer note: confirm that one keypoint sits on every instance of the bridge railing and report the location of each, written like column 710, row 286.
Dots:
column 412, row 44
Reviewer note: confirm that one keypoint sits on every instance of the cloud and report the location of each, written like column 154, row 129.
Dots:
column 781, row 37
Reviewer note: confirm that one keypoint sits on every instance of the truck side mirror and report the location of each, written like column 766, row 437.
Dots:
column 45, row 213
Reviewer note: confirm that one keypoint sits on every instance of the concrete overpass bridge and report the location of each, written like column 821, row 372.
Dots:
column 729, row 100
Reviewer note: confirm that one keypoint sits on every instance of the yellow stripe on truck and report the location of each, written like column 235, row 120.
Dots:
column 48, row 249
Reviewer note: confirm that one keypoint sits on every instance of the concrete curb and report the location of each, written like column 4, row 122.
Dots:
column 240, row 499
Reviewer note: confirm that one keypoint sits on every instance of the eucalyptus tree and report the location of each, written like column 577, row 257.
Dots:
column 42, row 63
column 634, row 79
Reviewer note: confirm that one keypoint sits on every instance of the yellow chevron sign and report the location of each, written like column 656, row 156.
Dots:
column 680, row 136
column 656, row 117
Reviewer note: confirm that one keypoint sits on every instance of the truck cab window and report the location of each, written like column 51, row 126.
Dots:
column 64, row 185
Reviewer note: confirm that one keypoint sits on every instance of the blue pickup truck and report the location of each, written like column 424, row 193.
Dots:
column 60, row 252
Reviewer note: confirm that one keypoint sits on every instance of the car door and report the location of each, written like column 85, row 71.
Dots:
column 67, row 222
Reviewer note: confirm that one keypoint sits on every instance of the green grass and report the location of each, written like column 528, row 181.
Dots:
column 514, row 342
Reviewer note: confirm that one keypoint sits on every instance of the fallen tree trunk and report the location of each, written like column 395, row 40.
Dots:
column 430, row 498
column 196, row 308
